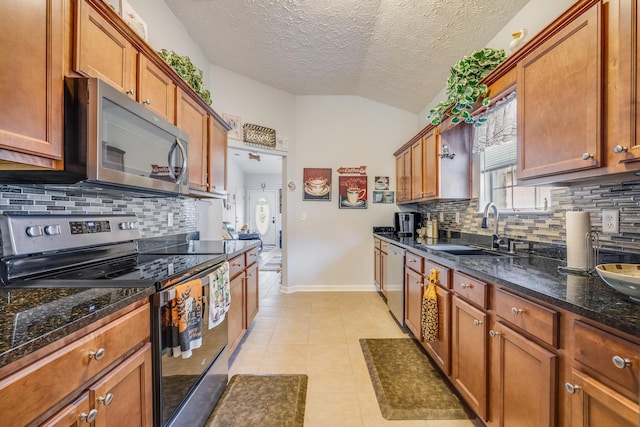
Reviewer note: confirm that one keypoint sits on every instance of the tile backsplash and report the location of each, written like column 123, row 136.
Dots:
column 549, row 226
column 152, row 212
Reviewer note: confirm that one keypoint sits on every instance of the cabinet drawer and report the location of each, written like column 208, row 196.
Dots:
column 55, row 377
column 236, row 265
column 251, row 256
column 533, row 318
column 414, row 262
column 376, row 243
column 608, row 355
column 445, row 281
column 470, row 289
column 384, row 247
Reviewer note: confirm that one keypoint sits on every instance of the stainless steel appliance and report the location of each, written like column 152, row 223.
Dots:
column 93, row 252
column 111, row 140
column 406, row 223
column 394, row 281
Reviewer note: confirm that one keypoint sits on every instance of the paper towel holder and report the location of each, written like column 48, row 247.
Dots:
column 592, row 243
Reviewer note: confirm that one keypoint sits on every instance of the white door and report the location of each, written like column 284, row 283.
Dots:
column 263, row 212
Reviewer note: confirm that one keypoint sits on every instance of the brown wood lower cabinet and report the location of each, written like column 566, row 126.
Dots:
column 244, row 274
column 593, row 404
column 413, row 290
column 235, row 314
column 252, row 296
column 525, row 376
column 440, row 348
column 469, row 354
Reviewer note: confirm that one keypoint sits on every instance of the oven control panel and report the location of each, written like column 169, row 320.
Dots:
column 34, row 234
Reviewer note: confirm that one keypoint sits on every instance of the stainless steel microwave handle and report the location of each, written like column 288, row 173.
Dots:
column 172, row 172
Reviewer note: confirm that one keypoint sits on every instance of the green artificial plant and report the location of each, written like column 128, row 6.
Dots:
column 464, row 87
column 189, row 72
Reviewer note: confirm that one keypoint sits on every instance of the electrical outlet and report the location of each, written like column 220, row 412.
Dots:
column 611, row 221
column 441, row 217
column 303, row 216
column 457, row 217
column 170, row 219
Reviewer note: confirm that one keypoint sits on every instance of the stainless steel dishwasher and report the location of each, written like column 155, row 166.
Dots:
column 394, row 281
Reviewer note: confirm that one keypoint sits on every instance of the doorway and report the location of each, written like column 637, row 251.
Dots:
column 263, row 214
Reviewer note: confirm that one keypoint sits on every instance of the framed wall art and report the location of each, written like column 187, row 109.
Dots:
column 383, row 197
column 236, row 126
column 352, row 192
column 317, row 184
column 381, row 183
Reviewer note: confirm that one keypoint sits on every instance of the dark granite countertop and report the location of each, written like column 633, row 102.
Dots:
column 32, row 318
column 35, row 317
column 539, row 277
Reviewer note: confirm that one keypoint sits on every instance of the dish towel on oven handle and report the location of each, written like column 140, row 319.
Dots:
column 219, row 295
column 430, row 308
column 182, row 318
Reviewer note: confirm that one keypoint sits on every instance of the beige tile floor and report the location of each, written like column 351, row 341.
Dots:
column 316, row 333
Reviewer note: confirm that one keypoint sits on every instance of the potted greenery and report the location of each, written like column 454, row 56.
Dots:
column 189, row 72
column 464, row 87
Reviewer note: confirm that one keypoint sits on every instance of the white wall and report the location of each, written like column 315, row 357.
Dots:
column 534, row 17
column 332, row 248
column 234, row 211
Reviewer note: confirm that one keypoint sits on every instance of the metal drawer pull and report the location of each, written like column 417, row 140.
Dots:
column 106, row 400
column 235, row 264
column 412, row 260
column 477, row 322
column 621, row 362
column 131, row 92
column 147, row 101
column 90, row 417
column 493, row 333
column 466, row 286
column 572, row 388
column 97, row 355
column 516, row 310
column 587, row 156
column 620, row 149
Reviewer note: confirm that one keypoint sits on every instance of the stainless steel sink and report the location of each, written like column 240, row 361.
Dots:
column 467, row 251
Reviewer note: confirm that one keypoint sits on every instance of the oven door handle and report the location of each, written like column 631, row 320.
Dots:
column 163, row 297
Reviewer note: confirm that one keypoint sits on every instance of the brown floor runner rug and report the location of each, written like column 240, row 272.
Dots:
column 408, row 386
column 261, row 400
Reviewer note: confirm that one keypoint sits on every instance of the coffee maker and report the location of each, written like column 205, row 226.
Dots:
column 407, row 223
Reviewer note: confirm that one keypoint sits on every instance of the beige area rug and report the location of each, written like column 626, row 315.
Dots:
column 407, row 384
column 261, row 400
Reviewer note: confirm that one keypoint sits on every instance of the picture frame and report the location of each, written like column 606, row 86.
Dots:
column 381, row 183
column 385, row 197
column 352, row 192
column 235, row 122
column 135, row 21
column 317, row 184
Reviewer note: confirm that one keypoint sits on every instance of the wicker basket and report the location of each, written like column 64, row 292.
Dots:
column 259, row 135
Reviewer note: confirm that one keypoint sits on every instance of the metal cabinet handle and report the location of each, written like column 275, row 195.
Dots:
column 106, row 400
column 571, row 388
column 516, row 310
column 587, row 156
column 89, row 417
column 620, row 149
column 621, row 362
column 477, row 322
column 466, row 286
column 97, row 355
column 493, row 333
column 131, row 92
column 147, row 101
column 412, row 260
column 235, row 264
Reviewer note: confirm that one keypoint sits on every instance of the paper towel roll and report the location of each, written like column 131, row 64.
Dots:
column 578, row 225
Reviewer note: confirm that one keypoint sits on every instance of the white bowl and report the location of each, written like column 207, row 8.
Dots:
column 623, row 278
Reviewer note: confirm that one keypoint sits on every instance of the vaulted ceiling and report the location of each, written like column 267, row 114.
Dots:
column 396, row 52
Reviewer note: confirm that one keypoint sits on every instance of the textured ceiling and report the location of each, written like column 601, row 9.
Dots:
column 397, row 52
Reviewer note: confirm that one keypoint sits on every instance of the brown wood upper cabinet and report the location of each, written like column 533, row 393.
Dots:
column 104, row 52
column 31, row 116
column 192, row 118
column 560, row 100
column 403, row 176
column 217, row 156
column 424, row 166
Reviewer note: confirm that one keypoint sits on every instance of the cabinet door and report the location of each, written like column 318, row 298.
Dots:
column 383, row 262
column 417, row 171
column 401, row 195
column 469, row 355
column 252, row 296
column 440, row 349
column 235, row 315
column 431, row 172
column 217, row 157
column 377, row 267
column 594, row 404
column 124, row 396
column 156, row 89
column 31, row 82
column 101, row 51
column 560, row 101
column 523, row 369
column 413, row 302
column 74, row 415
column 192, row 118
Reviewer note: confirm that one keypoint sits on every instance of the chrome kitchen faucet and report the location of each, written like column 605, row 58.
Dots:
column 497, row 240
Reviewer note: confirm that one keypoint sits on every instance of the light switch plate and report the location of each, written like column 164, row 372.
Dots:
column 610, row 221
column 170, row 219
column 441, row 217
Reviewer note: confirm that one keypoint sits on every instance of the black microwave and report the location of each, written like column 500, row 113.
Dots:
column 112, row 141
